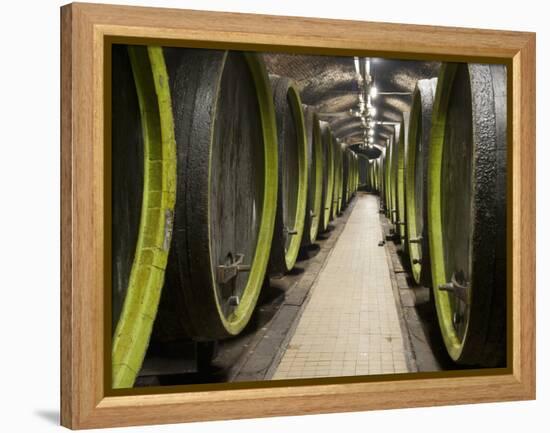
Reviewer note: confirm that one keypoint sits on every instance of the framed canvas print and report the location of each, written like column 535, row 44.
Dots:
column 267, row 216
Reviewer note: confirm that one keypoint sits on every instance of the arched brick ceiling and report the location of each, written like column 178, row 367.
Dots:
column 330, row 85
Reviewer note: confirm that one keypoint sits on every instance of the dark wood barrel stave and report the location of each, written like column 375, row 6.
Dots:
column 143, row 197
column 467, row 211
column 226, row 192
column 293, row 177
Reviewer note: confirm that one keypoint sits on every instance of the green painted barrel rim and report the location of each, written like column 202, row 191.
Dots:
column 239, row 317
column 352, row 169
column 337, row 194
column 393, row 176
column 400, row 180
column 388, row 181
column 374, row 168
column 133, row 330
column 301, row 199
column 377, row 175
column 410, row 191
column 442, row 298
column 334, row 202
column 340, row 177
column 421, row 111
column 350, row 181
column 329, row 182
column 347, row 158
column 317, row 149
column 356, row 185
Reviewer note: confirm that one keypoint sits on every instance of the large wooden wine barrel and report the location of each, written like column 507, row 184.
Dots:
column 352, row 163
column 355, row 172
column 416, row 180
column 143, row 197
column 328, row 174
column 467, row 211
column 363, row 166
column 292, row 191
column 315, row 176
column 345, row 177
column 389, row 180
column 373, row 174
column 352, row 168
column 376, row 174
column 393, row 174
column 226, row 192
column 381, row 175
column 370, row 177
column 342, row 199
column 338, row 175
column 402, row 145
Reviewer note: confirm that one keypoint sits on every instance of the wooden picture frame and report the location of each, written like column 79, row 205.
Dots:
column 86, row 32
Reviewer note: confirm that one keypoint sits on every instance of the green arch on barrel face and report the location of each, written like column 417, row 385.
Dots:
column 133, row 330
column 239, row 317
column 296, row 104
column 437, row 138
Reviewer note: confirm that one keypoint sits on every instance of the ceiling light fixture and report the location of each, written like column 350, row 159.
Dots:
column 373, row 92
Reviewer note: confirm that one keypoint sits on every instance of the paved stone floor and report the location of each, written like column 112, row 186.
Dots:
column 350, row 325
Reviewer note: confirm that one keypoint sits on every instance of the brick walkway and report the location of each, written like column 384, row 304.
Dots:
column 350, row 325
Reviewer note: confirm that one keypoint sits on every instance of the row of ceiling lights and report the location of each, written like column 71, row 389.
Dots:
column 368, row 92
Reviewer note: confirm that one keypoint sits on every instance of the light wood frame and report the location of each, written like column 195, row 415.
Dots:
column 85, row 28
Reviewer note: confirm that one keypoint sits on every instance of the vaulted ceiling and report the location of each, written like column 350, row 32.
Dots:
column 332, row 85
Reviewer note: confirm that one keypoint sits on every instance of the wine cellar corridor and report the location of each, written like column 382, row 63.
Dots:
column 281, row 217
